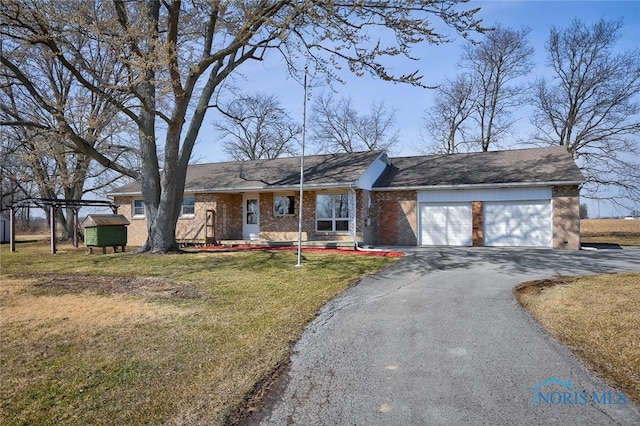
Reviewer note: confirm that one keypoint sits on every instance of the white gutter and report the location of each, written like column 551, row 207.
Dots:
column 296, row 187
column 477, row 186
column 271, row 188
column 352, row 185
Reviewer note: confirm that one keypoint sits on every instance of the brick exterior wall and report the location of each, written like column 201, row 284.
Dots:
column 389, row 222
column 228, row 216
column 192, row 228
column 396, row 217
column 228, row 219
column 137, row 229
column 477, row 212
column 388, row 218
column 285, row 228
column 566, row 217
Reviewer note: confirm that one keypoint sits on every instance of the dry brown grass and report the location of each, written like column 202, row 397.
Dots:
column 143, row 339
column 75, row 313
column 598, row 317
column 615, row 231
column 22, row 237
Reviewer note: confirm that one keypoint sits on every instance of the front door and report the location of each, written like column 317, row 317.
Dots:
column 251, row 223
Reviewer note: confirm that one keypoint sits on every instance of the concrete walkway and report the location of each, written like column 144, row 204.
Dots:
column 438, row 338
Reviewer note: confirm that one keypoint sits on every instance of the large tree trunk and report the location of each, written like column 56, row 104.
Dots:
column 160, row 210
column 162, row 239
column 162, row 229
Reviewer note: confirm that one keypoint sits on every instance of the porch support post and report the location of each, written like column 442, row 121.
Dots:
column 353, row 216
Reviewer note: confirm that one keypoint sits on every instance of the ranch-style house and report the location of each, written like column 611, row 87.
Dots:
column 516, row 198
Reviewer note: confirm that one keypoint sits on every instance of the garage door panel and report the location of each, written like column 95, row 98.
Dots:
column 446, row 224
column 518, row 223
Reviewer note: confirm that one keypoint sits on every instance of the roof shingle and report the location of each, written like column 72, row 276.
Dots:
column 523, row 166
column 280, row 173
column 536, row 165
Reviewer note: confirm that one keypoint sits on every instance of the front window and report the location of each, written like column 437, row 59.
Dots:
column 188, row 207
column 283, row 205
column 332, row 212
column 138, row 208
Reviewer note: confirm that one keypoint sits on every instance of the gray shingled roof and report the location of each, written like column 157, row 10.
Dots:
column 280, row 173
column 524, row 166
column 537, row 165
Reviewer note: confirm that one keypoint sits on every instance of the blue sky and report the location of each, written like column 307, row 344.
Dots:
column 436, row 63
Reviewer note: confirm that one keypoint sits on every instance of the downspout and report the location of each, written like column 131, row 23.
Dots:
column 354, row 216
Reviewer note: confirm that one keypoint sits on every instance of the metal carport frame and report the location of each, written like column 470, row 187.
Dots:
column 53, row 204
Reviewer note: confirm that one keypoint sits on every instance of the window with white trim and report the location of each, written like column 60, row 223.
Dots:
column 332, row 212
column 137, row 209
column 284, row 205
column 188, row 207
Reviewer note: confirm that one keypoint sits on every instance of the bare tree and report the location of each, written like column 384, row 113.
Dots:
column 173, row 56
column 495, row 63
column 336, row 126
column 255, row 127
column 474, row 109
column 446, row 122
column 331, row 124
column 590, row 105
column 378, row 129
column 37, row 153
column 15, row 182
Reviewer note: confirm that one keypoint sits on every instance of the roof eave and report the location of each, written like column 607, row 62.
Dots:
column 296, row 187
column 477, row 186
column 235, row 190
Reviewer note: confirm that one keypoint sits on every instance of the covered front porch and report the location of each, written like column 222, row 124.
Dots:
column 330, row 219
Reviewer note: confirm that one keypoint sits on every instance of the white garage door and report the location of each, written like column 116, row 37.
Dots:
column 445, row 224
column 517, row 223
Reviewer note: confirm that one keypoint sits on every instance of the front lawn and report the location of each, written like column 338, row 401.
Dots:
column 150, row 339
column 598, row 317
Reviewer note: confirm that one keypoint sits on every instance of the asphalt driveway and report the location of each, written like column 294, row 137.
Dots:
column 438, row 338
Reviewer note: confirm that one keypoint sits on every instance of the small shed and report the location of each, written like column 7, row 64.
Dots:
column 4, row 229
column 105, row 230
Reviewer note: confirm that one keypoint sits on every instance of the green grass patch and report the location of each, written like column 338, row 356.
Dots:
column 150, row 339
